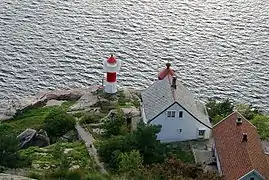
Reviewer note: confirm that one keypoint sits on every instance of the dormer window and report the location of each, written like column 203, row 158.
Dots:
column 171, row 113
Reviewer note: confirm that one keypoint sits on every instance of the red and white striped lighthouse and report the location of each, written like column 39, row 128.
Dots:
column 111, row 67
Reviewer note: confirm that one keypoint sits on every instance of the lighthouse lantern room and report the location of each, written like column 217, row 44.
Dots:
column 111, row 68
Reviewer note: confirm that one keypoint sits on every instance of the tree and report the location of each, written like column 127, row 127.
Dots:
column 58, row 122
column 219, row 110
column 9, row 156
column 262, row 124
column 247, row 111
column 129, row 161
column 144, row 140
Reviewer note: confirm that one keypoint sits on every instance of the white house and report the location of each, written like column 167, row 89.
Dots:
column 168, row 103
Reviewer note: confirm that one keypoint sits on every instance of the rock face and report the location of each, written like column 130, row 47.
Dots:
column 54, row 103
column 41, row 99
column 31, row 137
column 13, row 177
column 88, row 100
column 133, row 116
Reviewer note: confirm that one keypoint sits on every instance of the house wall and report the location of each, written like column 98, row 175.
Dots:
column 170, row 126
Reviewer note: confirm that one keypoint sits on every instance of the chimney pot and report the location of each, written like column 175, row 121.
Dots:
column 239, row 121
column 245, row 137
column 168, row 65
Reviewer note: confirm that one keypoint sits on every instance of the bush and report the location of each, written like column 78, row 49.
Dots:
column 116, row 125
column 9, row 156
column 58, row 122
column 5, row 129
column 122, row 99
column 262, row 124
column 129, row 161
column 219, row 110
column 247, row 111
column 175, row 169
column 143, row 140
column 88, row 119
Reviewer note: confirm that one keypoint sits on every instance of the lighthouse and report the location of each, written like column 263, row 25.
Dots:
column 111, row 68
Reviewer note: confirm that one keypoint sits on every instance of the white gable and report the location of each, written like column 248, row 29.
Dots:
column 160, row 96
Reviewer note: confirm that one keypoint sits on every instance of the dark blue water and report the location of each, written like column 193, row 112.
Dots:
column 219, row 48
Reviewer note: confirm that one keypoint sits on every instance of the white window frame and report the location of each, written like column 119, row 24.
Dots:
column 179, row 114
column 179, row 131
column 201, row 130
column 171, row 114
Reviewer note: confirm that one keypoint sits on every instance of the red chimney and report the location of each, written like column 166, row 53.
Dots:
column 245, row 137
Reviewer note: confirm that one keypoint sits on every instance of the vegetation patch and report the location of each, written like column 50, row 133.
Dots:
column 59, row 156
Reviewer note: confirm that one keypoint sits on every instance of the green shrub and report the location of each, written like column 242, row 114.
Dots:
column 88, row 119
column 9, row 155
column 129, row 161
column 79, row 114
column 262, row 124
column 219, row 110
column 247, row 111
column 58, row 122
column 122, row 99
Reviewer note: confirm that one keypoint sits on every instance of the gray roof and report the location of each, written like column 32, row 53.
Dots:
column 159, row 96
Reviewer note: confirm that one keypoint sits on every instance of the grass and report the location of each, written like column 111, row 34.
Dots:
column 43, row 158
column 30, row 118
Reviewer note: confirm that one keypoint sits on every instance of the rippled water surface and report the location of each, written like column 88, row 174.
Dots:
column 219, row 48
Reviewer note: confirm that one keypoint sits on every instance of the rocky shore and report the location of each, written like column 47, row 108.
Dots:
column 41, row 99
column 86, row 98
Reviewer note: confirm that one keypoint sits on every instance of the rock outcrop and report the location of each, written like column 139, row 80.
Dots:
column 13, row 177
column 41, row 99
column 31, row 137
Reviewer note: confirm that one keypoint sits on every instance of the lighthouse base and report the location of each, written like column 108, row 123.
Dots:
column 111, row 88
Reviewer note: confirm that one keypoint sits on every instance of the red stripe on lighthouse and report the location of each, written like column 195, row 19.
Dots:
column 111, row 77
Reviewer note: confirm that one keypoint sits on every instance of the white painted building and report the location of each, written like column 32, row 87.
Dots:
column 168, row 103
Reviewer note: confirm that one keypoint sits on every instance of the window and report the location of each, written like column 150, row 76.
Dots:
column 179, row 131
column 201, row 133
column 252, row 178
column 171, row 113
column 180, row 114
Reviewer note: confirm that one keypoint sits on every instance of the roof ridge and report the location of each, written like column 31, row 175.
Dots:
column 245, row 146
column 172, row 91
column 224, row 119
column 245, row 118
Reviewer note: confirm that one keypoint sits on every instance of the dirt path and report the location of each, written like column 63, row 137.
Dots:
column 88, row 140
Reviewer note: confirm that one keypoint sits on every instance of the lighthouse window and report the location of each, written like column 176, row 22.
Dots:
column 171, row 113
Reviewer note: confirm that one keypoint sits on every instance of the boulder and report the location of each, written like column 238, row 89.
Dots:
column 70, row 136
column 31, row 137
column 88, row 100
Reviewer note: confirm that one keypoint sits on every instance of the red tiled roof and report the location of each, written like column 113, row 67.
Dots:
column 237, row 158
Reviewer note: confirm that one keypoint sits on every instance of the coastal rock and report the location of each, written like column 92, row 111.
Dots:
column 70, row 136
column 41, row 99
column 13, row 177
column 30, row 137
column 87, row 101
column 54, row 103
